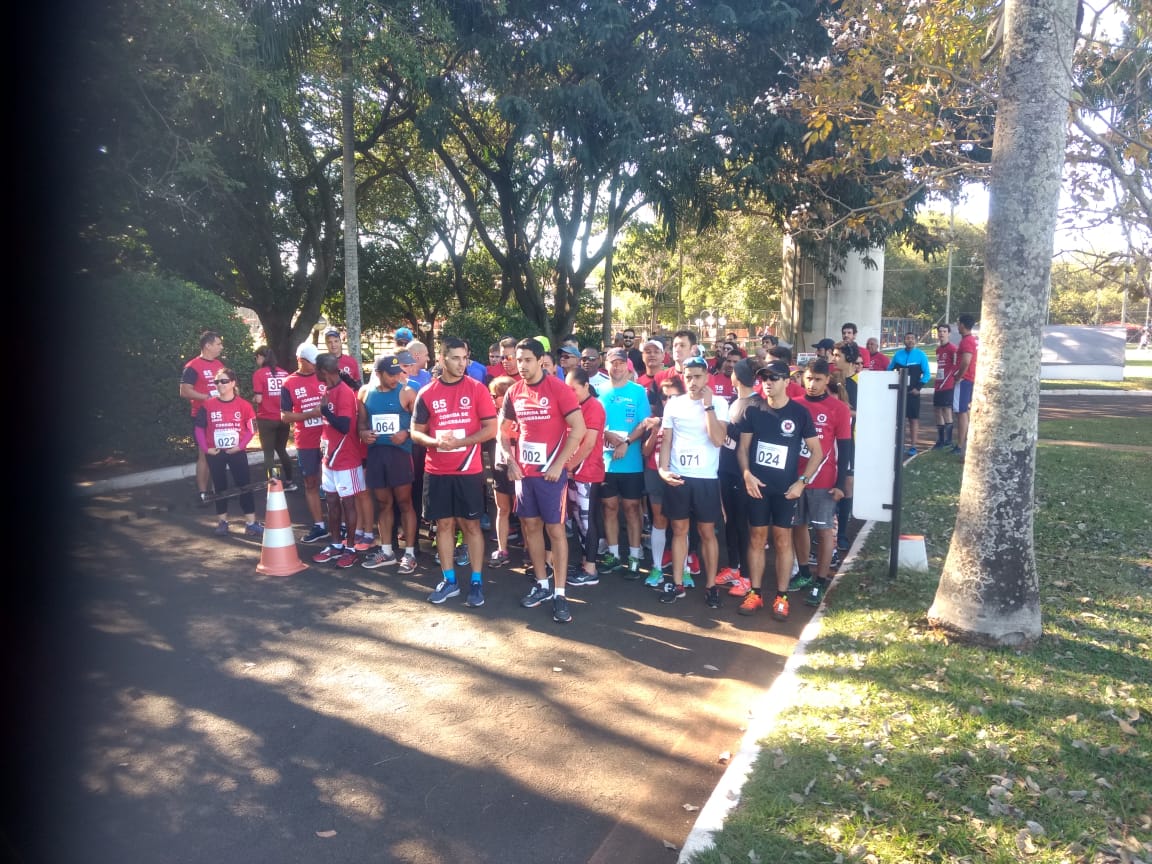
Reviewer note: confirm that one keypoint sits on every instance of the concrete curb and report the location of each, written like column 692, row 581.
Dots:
column 89, row 488
column 775, row 699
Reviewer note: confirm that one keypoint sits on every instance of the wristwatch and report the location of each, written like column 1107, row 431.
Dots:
column 804, row 479
column 710, row 408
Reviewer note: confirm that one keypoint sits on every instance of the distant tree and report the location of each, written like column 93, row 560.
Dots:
column 916, row 283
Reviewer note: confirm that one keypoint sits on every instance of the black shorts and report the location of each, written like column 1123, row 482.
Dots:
column 501, row 482
column 912, row 405
column 453, row 495
column 942, row 398
column 388, row 467
column 309, row 459
column 771, row 510
column 697, row 497
column 623, row 484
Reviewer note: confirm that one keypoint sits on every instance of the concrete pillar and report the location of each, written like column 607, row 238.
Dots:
column 813, row 307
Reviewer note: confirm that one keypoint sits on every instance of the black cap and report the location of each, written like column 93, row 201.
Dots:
column 826, row 344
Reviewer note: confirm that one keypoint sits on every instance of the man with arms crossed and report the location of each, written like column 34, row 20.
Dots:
column 300, row 397
column 452, row 417
column 695, row 426
column 197, row 386
column 551, row 427
column 771, row 435
column 343, row 465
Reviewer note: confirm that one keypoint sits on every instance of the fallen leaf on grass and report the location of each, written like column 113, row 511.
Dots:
column 882, row 782
column 1127, row 728
column 1100, row 781
column 796, row 797
column 1024, row 842
column 711, row 668
column 325, row 834
column 1034, row 828
column 691, row 808
column 1133, row 714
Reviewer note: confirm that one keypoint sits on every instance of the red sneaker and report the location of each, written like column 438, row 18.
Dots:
column 728, row 576
column 780, row 607
column 693, row 564
column 740, row 587
column 752, row 604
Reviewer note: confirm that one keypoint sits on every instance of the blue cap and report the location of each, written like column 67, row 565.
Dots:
column 404, row 333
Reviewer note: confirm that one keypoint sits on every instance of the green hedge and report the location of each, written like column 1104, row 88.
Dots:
column 143, row 329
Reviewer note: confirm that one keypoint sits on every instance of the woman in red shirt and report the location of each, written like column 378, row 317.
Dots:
column 585, row 474
column 224, row 426
column 273, row 432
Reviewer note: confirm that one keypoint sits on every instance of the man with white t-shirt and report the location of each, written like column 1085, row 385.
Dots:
column 695, row 426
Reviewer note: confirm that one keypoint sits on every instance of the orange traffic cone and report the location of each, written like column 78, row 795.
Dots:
column 278, row 556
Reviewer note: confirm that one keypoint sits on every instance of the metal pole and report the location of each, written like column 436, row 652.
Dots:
column 898, row 476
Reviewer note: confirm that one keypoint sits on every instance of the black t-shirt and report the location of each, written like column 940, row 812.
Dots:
column 777, row 435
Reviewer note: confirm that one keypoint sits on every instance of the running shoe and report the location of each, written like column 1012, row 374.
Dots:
column 609, row 563
column 752, row 604
column 407, row 565
column 911, row 451
column 712, row 597
column 536, row 596
column 364, row 542
column 672, row 593
column 253, row 529
column 328, row 553
column 780, row 607
column 498, row 558
column 728, row 576
column 835, row 562
column 461, row 555
column 799, row 582
column 379, row 558
column 560, row 613
column 222, row 528
column 316, row 534
column 666, row 561
column 689, row 582
column 740, row 587
column 444, row 591
column 348, row 559
column 583, row 577
column 475, row 595
column 655, row 578
column 815, row 596
column 290, row 486
column 693, row 563
column 632, row 571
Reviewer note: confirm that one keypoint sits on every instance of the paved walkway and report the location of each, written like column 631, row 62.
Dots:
column 212, row 714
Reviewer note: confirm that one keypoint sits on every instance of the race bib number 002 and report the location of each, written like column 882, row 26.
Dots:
column 533, row 453
column 770, row 455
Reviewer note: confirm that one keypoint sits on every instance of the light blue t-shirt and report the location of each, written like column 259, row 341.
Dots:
column 624, row 408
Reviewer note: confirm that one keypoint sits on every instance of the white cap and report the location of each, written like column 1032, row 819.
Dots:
column 307, row 351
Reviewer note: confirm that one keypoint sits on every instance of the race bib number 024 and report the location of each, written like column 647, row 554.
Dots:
column 770, row 455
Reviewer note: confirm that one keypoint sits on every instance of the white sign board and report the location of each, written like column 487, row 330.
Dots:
column 875, row 445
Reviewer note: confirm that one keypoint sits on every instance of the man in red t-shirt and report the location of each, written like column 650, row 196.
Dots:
column 343, row 463
column 965, row 376
column 818, row 505
column 878, row 361
column 946, row 357
column 300, row 397
column 452, row 417
column 848, row 334
column 507, row 364
column 347, row 365
column 550, row 427
column 196, row 386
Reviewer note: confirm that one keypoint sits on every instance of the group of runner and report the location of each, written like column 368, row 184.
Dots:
column 677, row 444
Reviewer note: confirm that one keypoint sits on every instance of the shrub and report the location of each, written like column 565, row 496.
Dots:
column 143, row 329
column 481, row 327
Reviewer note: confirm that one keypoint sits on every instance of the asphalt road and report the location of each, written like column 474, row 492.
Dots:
column 221, row 715
column 173, row 705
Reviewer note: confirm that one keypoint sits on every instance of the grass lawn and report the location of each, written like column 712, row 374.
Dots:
column 1132, row 383
column 902, row 747
column 1100, row 430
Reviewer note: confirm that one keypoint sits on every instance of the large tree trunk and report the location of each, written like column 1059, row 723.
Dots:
column 989, row 591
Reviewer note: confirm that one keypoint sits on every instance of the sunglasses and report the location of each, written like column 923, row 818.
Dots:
column 588, row 359
column 695, row 363
column 768, row 376
column 219, row 381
